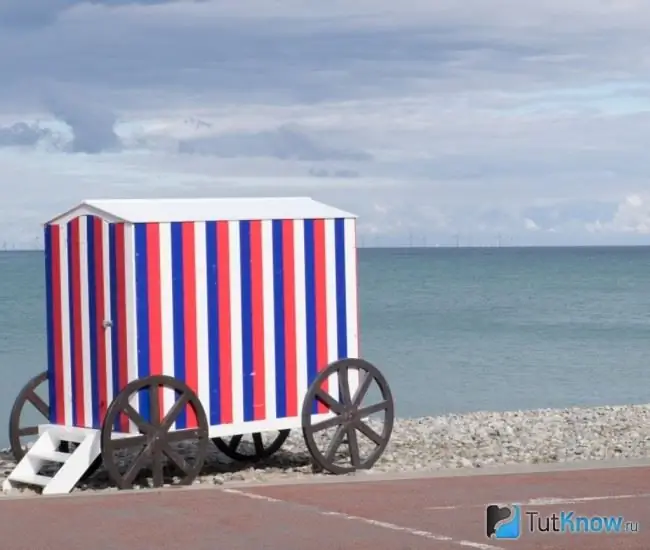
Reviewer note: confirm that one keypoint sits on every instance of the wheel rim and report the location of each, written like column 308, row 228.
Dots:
column 155, row 437
column 26, row 395
column 233, row 448
column 349, row 416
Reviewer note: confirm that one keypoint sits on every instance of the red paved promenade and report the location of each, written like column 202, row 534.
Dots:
column 433, row 513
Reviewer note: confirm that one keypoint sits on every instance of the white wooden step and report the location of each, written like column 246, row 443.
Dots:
column 51, row 456
column 28, row 478
column 73, row 465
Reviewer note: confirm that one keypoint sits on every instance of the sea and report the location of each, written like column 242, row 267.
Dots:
column 453, row 330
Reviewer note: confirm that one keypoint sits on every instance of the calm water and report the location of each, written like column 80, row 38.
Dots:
column 453, row 329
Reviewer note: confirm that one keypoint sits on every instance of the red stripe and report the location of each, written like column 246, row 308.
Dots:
column 100, row 312
column 189, row 300
column 120, row 253
column 155, row 308
column 288, row 264
column 77, row 333
column 225, row 353
column 57, row 307
column 320, row 274
column 257, row 294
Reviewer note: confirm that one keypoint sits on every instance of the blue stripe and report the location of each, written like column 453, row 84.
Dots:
column 278, row 298
column 212, row 276
column 49, row 259
column 246, row 317
column 310, row 299
column 142, row 313
column 178, row 301
column 70, row 247
column 92, row 317
column 112, row 255
column 341, row 298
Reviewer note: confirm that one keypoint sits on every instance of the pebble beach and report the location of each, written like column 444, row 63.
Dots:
column 473, row 440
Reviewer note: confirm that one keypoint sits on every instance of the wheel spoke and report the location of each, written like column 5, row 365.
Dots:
column 259, row 445
column 344, row 386
column 368, row 432
column 234, row 442
column 36, row 400
column 173, row 413
column 157, row 466
column 126, row 442
column 335, row 443
column 329, row 401
column 181, row 435
column 329, row 423
column 175, row 457
column 154, row 405
column 31, row 430
column 140, row 422
column 137, row 465
column 353, row 445
column 372, row 409
column 362, row 390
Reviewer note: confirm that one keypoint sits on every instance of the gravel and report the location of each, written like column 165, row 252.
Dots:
column 471, row 440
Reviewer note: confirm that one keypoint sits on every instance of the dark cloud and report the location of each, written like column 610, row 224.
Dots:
column 333, row 173
column 92, row 125
column 285, row 143
column 249, row 58
column 22, row 134
column 35, row 13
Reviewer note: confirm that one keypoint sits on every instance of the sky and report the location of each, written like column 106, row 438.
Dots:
column 478, row 122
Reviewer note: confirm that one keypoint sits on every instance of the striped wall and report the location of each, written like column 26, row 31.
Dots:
column 246, row 313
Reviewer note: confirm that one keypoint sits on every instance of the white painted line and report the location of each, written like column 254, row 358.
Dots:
column 544, row 501
column 376, row 523
column 552, row 501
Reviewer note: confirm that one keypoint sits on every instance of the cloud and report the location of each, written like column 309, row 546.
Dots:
column 284, row 143
column 92, row 125
column 31, row 13
column 438, row 118
column 22, row 134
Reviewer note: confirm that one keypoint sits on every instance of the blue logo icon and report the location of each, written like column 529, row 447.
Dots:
column 503, row 522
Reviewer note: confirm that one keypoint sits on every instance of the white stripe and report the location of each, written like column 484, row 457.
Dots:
column 269, row 319
column 375, row 523
column 301, row 314
column 351, row 296
column 202, row 337
column 543, row 501
column 86, row 367
column 552, row 501
column 167, row 313
column 235, row 324
column 330, row 280
column 65, row 326
column 106, row 276
column 131, row 325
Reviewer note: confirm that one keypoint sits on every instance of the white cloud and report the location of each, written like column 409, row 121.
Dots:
column 477, row 118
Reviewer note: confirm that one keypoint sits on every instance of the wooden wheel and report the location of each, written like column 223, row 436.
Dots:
column 350, row 412
column 155, row 439
column 16, row 431
column 233, row 449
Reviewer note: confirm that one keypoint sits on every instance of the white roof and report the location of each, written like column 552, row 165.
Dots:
column 208, row 209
